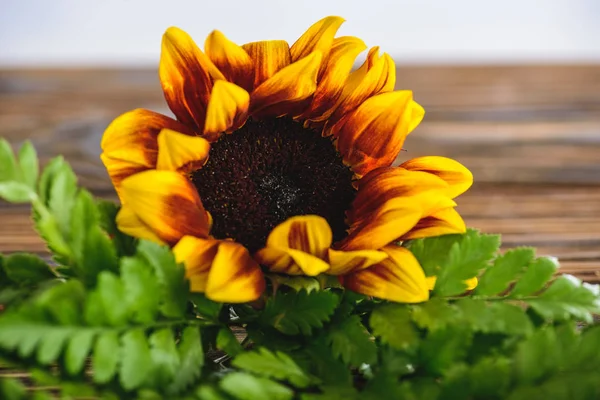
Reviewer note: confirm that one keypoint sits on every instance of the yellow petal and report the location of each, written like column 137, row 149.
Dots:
column 344, row 262
column 290, row 261
column 443, row 222
column 376, row 75
column 179, row 152
column 167, row 203
column 335, row 71
column 130, row 145
column 269, row 57
column 318, row 37
column 308, row 233
column 227, row 109
column 394, row 219
column 197, row 255
column 231, row 59
column 454, row 173
column 471, row 283
column 129, row 223
column 383, row 184
column 373, row 134
column 186, row 76
column 398, row 278
column 234, row 277
column 292, row 84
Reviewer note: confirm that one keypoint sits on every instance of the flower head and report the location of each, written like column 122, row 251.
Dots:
column 280, row 159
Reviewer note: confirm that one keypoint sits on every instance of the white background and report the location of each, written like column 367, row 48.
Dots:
column 128, row 32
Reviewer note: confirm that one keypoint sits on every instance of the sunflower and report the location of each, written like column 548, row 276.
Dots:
column 280, row 161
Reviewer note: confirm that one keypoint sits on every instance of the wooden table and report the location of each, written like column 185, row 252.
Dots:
column 530, row 134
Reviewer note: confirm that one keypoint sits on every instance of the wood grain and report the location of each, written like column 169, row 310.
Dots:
column 530, row 134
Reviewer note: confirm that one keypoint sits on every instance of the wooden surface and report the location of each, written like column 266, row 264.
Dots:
column 530, row 134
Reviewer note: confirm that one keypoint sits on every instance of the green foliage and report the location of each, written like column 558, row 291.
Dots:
column 123, row 307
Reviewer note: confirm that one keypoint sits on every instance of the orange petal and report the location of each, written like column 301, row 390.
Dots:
column 129, row 223
column 471, row 283
column 231, row 59
column 167, row 203
column 373, row 134
column 234, row 277
column 333, row 78
column 186, row 75
column 443, row 222
column 344, row 262
column 376, row 75
column 392, row 220
column 179, row 152
column 292, row 84
column 290, row 261
column 318, row 37
column 398, row 278
column 383, row 184
column 269, row 57
column 197, row 255
column 458, row 177
column 227, row 109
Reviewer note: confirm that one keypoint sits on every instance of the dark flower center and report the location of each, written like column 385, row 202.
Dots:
column 268, row 171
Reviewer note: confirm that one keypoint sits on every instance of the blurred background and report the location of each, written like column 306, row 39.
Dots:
column 511, row 90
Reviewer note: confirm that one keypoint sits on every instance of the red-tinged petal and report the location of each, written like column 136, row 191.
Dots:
column 129, row 223
column 290, row 261
column 167, row 203
column 319, row 37
column 186, row 75
column 391, row 221
column 179, row 152
column 234, row 277
column 443, row 222
column 376, row 75
column 344, row 262
column 454, row 173
column 383, row 184
column 373, row 134
column 308, row 233
column 289, row 86
column 197, row 255
column 269, row 57
column 227, row 109
column 333, row 77
column 398, row 278
column 231, row 59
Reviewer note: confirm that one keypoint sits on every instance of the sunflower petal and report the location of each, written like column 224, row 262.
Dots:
column 373, row 134
column 234, row 277
column 179, row 152
column 290, row 85
column 197, row 255
column 318, row 37
column 398, row 278
column 186, row 76
column 471, row 283
column 454, row 173
column 231, row 59
column 376, row 75
column 334, row 74
column 383, row 184
column 227, row 109
column 344, row 262
column 290, row 261
column 167, row 203
column 129, row 223
column 391, row 221
column 443, row 222
column 308, row 233
column 268, row 57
